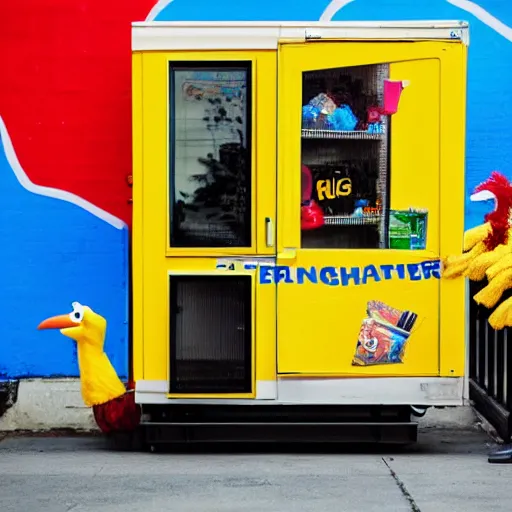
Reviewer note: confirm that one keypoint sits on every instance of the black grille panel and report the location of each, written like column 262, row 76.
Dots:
column 210, row 334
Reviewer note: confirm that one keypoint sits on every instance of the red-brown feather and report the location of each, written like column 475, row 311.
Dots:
column 121, row 414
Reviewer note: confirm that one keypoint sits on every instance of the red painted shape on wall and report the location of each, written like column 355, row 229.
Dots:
column 65, row 94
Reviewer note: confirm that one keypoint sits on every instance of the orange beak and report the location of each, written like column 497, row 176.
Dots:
column 57, row 322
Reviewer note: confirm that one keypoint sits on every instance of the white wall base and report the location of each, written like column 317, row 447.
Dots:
column 462, row 417
column 48, row 404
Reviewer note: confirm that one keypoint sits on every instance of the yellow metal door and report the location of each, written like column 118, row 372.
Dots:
column 205, row 208
column 358, row 292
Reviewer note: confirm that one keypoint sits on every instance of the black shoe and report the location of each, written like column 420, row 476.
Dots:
column 501, row 456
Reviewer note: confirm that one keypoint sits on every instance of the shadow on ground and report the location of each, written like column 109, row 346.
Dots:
column 471, row 440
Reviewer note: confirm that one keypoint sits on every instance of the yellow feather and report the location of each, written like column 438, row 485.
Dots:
column 474, row 235
column 477, row 268
column 502, row 315
column 455, row 266
column 99, row 380
column 504, row 263
column 491, row 294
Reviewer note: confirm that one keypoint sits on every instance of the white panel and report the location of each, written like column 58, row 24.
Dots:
column 266, row 390
column 163, row 36
column 375, row 391
column 432, row 391
column 155, row 391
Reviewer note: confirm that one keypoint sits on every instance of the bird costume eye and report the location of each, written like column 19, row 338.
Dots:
column 77, row 314
column 483, row 195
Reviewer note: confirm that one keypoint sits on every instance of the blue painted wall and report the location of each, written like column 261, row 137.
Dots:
column 54, row 252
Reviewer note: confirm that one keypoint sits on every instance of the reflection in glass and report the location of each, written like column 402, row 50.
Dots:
column 344, row 170
column 210, row 155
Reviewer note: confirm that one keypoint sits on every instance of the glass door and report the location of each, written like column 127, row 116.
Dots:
column 358, row 208
column 210, row 165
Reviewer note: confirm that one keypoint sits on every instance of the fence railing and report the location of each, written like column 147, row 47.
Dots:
column 490, row 366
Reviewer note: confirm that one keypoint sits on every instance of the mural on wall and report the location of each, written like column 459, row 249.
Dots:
column 65, row 147
column 65, row 138
column 114, row 408
column 383, row 336
column 488, row 250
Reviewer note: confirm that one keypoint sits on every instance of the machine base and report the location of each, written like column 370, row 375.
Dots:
column 278, row 424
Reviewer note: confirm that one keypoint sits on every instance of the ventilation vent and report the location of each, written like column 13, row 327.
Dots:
column 210, row 332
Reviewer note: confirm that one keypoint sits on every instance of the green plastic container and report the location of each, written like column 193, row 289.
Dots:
column 407, row 229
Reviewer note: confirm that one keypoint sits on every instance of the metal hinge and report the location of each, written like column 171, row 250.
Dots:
column 312, row 34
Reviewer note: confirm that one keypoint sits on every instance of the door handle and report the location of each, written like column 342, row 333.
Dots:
column 269, row 232
column 288, row 255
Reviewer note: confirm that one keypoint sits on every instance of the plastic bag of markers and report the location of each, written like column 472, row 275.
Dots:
column 380, row 311
column 383, row 336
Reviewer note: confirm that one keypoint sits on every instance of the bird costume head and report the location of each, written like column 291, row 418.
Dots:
column 496, row 188
column 82, row 324
column 488, row 251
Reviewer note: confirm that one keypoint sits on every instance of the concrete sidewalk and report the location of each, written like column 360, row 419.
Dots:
column 446, row 471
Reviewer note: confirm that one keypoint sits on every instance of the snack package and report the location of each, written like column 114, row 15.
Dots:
column 383, row 335
column 373, row 115
column 324, row 103
column 343, row 119
column 310, row 116
column 306, row 183
column 375, row 128
column 314, row 119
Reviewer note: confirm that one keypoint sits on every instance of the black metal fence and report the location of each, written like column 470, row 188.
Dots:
column 490, row 366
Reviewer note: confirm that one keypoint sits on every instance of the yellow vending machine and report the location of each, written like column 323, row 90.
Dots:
column 296, row 188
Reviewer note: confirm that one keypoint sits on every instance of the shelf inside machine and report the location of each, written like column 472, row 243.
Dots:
column 348, row 220
column 308, row 133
